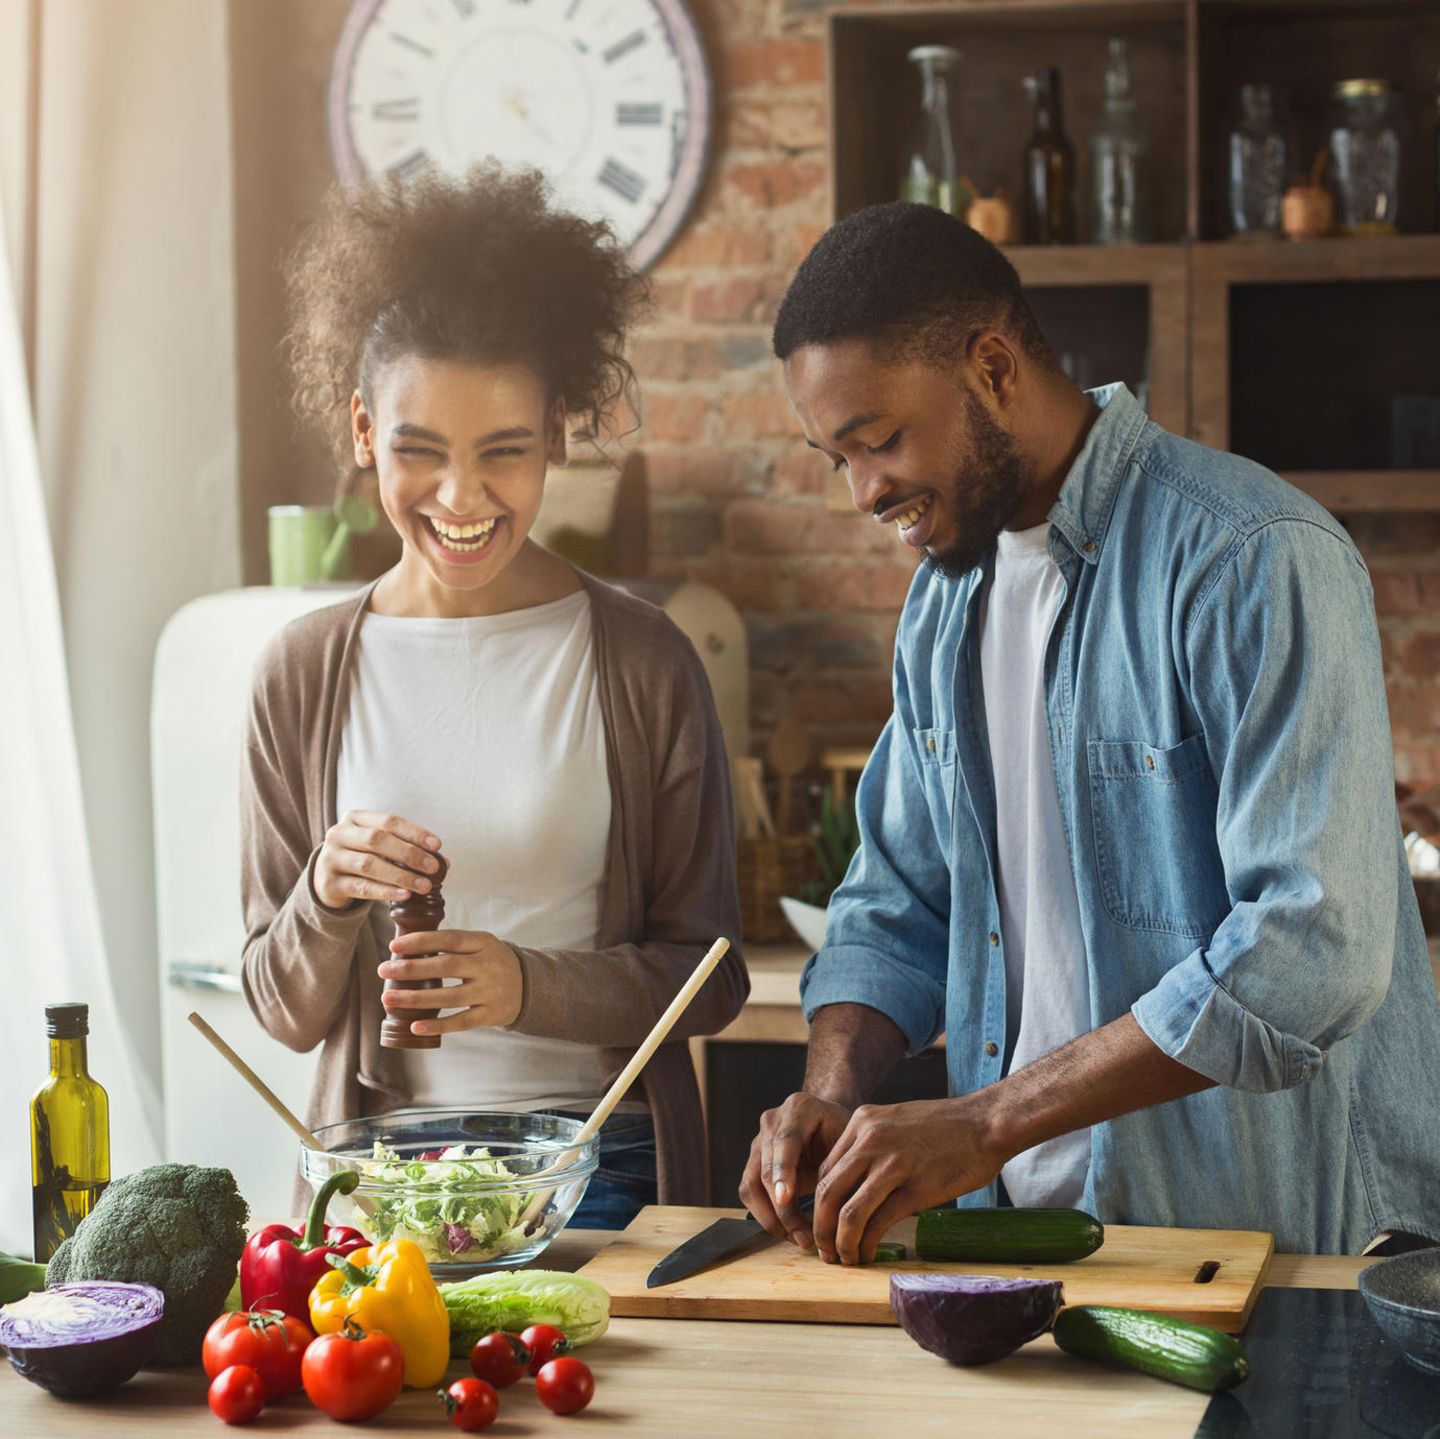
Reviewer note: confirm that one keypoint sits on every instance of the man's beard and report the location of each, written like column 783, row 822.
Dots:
column 983, row 497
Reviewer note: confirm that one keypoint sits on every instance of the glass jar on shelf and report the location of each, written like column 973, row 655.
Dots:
column 1365, row 156
column 931, row 175
column 1257, row 162
column 1118, row 151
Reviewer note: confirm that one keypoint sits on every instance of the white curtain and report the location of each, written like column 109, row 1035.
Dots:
column 54, row 943
column 130, row 511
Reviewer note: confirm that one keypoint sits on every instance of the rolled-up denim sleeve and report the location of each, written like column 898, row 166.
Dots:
column 1286, row 676
column 886, row 938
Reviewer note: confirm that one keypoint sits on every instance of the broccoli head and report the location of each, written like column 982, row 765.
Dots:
column 176, row 1226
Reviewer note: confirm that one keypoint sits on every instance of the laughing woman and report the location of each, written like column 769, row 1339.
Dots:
column 554, row 736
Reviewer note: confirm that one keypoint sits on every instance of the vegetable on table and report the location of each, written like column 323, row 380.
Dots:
column 351, row 1374
column 565, row 1385
column 460, row 1206
column 267, row 1340
column 81, row 1340
column 176, row 1226
column 237, row 1394
column 973, row 1318
column 19, row 1277
column 545, row 1342
column 471, row 1404
column 1175, row 1349
column 388, row 1287
column 512, row 1299
column 1007, row 1236
column 279, row 1267
column 499, row 1359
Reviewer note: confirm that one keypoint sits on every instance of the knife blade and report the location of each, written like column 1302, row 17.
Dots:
column 721, row 1240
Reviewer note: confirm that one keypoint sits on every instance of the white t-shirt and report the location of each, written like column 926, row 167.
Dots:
column 1047, row 983
column 488, row 732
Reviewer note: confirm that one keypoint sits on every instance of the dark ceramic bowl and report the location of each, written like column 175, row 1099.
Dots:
column 1403, row 1296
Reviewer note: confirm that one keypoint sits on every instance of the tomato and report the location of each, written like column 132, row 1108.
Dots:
column 269, row 1342
column 471, row 1404
column 237, row 1394
column 545, row 1342
column 565, row 1386
column 499, row 1359
column 352, row 1374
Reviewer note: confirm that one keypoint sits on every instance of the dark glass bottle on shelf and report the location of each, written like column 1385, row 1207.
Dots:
column 1048, row 192
column 69, row 1133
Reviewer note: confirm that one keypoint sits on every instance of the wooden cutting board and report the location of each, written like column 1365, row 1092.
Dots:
column 1164, row 1270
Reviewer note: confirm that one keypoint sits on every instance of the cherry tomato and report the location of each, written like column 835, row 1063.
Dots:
column 237, row 1394
column 565, row 1386
column 499, row 1359
column 271, row 1343
column 471, row 1404
column 545, row 1342
column 352, row 1374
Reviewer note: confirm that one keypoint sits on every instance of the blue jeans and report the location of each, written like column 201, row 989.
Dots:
column 625, row 1181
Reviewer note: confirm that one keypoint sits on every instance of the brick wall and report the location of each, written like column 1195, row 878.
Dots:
column 738, row 500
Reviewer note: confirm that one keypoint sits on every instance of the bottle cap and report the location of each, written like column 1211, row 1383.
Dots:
column 67, row 1021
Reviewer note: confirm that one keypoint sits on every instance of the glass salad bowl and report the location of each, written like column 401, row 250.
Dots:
column 474, row 1190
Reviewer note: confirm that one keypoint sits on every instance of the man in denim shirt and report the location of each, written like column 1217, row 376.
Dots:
column 1232, row 918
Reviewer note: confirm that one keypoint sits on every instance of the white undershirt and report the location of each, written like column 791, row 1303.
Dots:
column 1047, row 983
column 488, row 732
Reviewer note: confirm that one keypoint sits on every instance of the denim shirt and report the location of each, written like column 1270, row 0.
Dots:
column 1222, row 753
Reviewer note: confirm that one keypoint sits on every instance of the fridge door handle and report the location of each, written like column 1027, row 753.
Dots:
column 191, row 974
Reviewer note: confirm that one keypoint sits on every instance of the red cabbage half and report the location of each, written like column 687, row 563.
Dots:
column 973, row 1318
column 83, row 1339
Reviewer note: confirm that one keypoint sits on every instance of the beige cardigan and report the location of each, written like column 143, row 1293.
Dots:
column 669, row 891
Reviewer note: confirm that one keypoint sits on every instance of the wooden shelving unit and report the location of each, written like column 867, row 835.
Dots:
column 1232, row 354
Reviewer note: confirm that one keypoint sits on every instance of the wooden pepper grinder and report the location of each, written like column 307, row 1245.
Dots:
column 415, row 915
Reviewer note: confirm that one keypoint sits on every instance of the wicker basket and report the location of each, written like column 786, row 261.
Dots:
column 767, row 870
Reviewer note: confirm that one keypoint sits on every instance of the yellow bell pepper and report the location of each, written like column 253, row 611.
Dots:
column 388, row 1288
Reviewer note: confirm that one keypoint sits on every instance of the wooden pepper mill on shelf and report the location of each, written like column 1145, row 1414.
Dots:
column 416, row 915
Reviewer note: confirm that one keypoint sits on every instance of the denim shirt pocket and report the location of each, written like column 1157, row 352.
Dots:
column 1153, row 810
column 936, row 748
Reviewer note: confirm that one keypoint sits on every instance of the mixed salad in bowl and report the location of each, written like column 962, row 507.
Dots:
column 459, row 1205
column 472, row 1190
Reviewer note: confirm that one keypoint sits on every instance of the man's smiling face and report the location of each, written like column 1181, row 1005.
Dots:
column 920, row 447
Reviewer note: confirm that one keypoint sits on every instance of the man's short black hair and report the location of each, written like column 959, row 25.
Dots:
column 913, row 281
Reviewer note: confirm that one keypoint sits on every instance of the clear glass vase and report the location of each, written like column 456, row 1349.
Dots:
column 1257, row 162
column 1118, row 154
column 930, row 175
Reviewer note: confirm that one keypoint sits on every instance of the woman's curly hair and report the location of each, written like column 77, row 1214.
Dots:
column 485, row 268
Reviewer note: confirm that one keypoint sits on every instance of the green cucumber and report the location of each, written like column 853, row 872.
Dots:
column 1007, row 1236
column 887, row 1253
column 1174, row 1349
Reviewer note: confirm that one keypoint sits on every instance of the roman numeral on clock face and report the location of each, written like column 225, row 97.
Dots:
column 622, row 48
column 623, row 180
column 410, row 166
column 396, row 109
column 630, row 112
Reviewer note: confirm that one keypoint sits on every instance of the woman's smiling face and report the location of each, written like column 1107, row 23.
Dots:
column 460, row 450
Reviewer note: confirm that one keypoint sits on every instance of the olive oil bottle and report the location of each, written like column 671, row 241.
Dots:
column 69, row 1133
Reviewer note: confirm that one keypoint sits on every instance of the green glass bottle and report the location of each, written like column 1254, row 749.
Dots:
column 69, row 1133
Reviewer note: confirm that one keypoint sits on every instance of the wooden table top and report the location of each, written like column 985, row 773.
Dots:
column 678, row 1378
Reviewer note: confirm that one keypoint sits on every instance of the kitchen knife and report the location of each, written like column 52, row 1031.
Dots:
column 715, row 1242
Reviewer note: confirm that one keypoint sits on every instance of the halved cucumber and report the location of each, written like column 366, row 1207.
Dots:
column 1007, row 1236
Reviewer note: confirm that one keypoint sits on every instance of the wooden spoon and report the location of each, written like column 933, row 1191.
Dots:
column 789, row 753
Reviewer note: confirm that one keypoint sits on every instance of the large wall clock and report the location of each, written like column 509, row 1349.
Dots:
column 611, row 99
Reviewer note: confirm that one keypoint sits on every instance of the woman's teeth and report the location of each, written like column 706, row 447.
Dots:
column 463, row 539
column 912, row 517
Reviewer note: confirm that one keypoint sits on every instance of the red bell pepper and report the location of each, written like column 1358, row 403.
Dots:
column 279, row 1268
